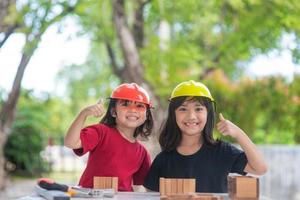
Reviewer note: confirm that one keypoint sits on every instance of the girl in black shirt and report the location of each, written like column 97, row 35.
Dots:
column 189, row 149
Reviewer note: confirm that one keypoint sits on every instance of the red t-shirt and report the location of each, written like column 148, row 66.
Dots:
column 112, row 155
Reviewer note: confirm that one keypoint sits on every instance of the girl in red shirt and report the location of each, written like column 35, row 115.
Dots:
column 112, row 144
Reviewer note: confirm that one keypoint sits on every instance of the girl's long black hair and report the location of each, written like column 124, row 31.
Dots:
column 170, row 135
column 143, row 130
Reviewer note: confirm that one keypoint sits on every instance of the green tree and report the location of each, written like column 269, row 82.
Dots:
column 88, row 82
column 265, row 108
column 28, row 133
column 31, row 18
column 294, row 106
column 160, row 43
column 202, row 35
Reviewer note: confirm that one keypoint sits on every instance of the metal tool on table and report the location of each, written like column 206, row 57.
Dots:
column 89, row 192
column 51, row 194
column 56, row 191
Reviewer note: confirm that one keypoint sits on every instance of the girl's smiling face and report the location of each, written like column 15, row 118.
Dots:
column 191, row 117
column 130, row 114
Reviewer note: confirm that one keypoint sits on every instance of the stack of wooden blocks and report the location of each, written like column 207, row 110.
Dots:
column 169, row 186
column 182, row 189
column 243, row 188
column 106, row 183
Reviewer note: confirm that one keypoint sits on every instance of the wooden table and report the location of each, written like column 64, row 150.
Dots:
column 126, row 196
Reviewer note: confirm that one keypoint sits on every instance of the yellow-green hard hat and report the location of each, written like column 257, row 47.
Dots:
column 191, row 88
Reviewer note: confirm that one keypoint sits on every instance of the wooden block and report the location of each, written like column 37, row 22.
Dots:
column 243, row 187
column 231, row 187
column 206, row 196
column 246, row 187
column 163, row 197
column 170, row 186
column 189, row 185
column 179, row 197
column 202, row 197
column 101, row 182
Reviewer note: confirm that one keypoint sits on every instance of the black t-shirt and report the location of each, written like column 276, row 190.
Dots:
column 210, row 166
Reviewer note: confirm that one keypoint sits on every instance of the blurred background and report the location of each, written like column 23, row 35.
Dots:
column 58, row 56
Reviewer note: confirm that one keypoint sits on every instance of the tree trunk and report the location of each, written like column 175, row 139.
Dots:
column 133, row 70
column 138, row 23
column 7, row 114
column 2, row 161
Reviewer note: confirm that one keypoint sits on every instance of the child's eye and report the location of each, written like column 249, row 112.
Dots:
column 181, row 109
column 140, row 106
column 124, row 103
column 199, row 109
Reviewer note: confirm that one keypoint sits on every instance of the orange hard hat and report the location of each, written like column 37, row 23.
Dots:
column 132, row 92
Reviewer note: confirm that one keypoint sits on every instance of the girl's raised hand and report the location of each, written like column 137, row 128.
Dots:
column 95, row 110
column 226, row 127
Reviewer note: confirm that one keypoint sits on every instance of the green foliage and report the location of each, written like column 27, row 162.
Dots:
column 265, row 109
column 203, row 34
column 38, row 119
column 50, row 115
column 23, row 149
column 294, row 98
column 27, row 139
column 223, row 35
column 2, row 92
column 59, row 116
column 89, row 82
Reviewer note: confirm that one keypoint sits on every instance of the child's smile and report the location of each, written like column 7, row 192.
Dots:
column 132, row 117
column 191, row 124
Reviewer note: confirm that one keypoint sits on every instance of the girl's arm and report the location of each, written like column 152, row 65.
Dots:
column 72, row 138
column 256, row 163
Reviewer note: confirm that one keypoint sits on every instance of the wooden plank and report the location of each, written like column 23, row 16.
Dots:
column 173, row 186
column 162, row 188
column 168, row 189
column 108, row 182
column 192, row 185
column 97, row 182
column 115, row 183
column 180, row 186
